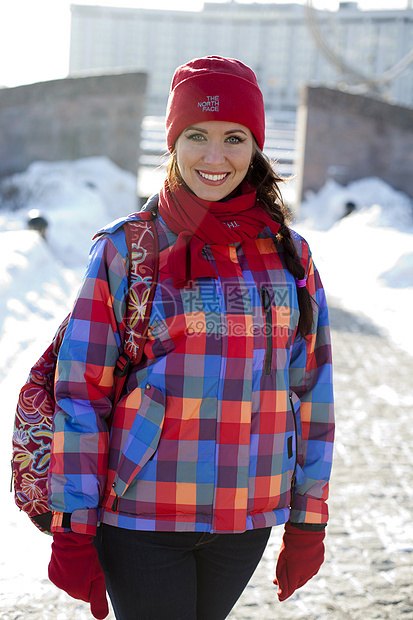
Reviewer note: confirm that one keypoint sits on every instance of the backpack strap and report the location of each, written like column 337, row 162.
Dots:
column 151, row 205
column 143, row 249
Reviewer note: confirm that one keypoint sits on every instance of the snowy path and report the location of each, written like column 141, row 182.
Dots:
column 368, row 573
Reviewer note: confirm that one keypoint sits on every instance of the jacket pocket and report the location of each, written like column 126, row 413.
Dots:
column 266, row 306
column 142, row 440
column 298, row 476
column 290, row 450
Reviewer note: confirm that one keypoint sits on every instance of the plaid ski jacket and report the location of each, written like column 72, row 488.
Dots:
column 226, row 424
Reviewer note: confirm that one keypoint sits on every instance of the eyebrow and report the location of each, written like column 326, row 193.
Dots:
column 193, row 127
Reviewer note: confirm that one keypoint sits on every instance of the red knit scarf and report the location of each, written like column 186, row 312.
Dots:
column 197, row 222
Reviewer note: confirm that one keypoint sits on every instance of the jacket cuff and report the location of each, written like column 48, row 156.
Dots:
column 82, row 521
column 309, row 527
column 308, row 510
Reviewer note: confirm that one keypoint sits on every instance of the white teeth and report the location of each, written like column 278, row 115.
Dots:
column 212, row 177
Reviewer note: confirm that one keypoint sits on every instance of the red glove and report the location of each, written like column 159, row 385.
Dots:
column 74, row 567
column 300, row 558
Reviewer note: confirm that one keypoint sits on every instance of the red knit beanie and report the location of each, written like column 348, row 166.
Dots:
column 214, row 89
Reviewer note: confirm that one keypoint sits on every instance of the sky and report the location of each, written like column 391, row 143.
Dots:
column 35, row 34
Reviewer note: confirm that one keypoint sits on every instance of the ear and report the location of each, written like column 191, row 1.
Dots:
column 255, row 151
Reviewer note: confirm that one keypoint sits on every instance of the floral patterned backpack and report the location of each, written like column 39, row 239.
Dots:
column 33, row 431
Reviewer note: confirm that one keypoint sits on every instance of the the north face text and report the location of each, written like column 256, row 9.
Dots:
column 211, row 104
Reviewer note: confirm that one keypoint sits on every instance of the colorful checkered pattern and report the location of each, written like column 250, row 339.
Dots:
column 204, row 438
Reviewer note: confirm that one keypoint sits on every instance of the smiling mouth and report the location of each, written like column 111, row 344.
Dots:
column 213, row 177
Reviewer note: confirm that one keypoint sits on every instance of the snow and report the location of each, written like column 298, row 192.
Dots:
column 365, row 260
column 38, row 283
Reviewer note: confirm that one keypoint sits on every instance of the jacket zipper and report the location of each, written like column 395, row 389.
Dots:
column 115, row 503
column 293, row 477
column 266, row 304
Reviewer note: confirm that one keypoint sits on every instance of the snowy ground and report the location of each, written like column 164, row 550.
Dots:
column 38, row 282
column 365, row 260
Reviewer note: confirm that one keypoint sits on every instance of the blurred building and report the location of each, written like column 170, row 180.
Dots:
column 95, row 115
column 287, row 45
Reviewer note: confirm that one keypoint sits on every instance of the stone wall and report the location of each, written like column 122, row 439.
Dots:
column 72, row 118
column 348, row 137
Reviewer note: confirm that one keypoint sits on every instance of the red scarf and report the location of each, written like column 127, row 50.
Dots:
column 197, row 222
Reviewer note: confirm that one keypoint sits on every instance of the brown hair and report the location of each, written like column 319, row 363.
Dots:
column 263, row 178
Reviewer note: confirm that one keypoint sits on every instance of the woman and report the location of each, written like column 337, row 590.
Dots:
column 233, row 394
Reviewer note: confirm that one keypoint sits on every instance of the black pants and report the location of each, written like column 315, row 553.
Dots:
column 177, row 575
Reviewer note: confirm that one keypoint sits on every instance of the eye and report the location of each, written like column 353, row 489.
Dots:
column 235, row 139
column 196, row 137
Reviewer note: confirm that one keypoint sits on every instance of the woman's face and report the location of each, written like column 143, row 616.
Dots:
column 213, row 157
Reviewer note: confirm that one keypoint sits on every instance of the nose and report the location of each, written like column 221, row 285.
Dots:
column 214, row 154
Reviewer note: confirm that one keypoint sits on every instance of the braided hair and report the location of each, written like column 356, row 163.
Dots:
column 263, row 178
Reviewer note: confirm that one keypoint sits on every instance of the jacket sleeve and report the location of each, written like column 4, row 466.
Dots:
column 84, row 389
column 312, row 396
